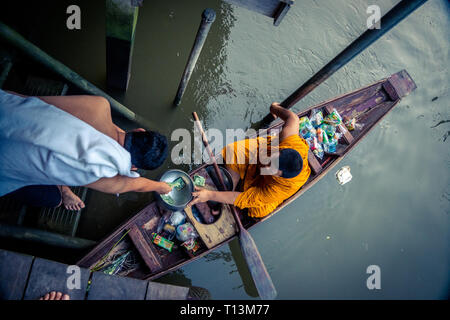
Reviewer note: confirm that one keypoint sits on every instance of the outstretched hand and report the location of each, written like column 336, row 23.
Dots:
column 200, row 195
column 163, row 188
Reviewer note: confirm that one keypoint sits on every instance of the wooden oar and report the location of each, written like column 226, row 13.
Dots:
column 258, row 270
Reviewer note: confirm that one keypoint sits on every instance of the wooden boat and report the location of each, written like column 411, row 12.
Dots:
column 368, row 105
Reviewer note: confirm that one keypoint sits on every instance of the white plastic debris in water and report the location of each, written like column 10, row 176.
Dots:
column 343, row 175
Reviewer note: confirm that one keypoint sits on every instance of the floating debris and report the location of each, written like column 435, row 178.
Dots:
column 343, row 175
column 328, row 238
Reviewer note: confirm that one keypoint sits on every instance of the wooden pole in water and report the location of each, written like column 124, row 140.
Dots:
column 388, row 21
column 208, row 17
column 121, row 20
column 32, row 51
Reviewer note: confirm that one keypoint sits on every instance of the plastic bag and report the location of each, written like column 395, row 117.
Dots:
column 306, row 128
column 177, row 218
column 316, row 118
column 333, row 118
column 186, row 231
column 318, row 151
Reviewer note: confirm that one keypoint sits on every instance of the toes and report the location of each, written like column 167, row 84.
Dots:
column 46, row 297
column 58, row 296
column 52, row 295
column 65, row 297
column 82, row 205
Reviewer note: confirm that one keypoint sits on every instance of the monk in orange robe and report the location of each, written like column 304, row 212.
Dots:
column 264, row 186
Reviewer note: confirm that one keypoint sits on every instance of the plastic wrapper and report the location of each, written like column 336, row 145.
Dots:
column 331, row 146
column 350, row 124
column 306, row 128
column 318, row 152
column 333, row 118
column 316, row 118
column 186, row 231
column 191, row 245
column 162, row 242
column 177, row 218
column 329, row 129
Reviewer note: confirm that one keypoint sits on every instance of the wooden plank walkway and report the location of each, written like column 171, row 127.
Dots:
column 24, row 277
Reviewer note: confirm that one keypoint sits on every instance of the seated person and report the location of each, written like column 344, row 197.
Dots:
column 49, row 143
column 262, row 193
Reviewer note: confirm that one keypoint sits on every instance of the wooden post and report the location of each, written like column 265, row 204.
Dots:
column 208, row 17
column 121, row 19
column 388, row 21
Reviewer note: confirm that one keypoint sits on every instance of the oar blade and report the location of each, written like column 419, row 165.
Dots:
column 261, row 277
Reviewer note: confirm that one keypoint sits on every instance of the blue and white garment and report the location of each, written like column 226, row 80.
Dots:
column 43, row 145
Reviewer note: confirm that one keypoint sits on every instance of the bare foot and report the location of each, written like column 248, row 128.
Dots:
column 55, row 296
column 71, row 200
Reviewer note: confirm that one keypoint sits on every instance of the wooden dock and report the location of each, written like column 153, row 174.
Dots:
column 24, row 277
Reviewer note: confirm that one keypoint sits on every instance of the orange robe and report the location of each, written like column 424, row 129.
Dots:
column 263, row 193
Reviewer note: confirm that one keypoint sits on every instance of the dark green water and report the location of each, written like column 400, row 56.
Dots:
column 395, row 211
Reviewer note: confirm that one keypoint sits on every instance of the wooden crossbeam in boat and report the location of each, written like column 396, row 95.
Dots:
column 149, row 254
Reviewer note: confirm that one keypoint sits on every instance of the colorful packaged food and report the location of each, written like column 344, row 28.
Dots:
column 162, row 242
column 186, row 231
column 329, row 129
column 350, row 124
column 320, row 133
column 318, row 152
column 191, row 245
column 316, row 118
column 333, row 118
column 306, row 128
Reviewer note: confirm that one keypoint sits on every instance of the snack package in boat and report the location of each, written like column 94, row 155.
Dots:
column 316, row 118
column 329, row 129
column 331, row 146
column 306, row 128
column 162, row 242
column 333, row 118
column 350, row 123
column 318, row 151
column 186, row 231
column 191, row 245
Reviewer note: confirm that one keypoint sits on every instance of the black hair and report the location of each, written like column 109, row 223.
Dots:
column 290, row 163
column 148, row 149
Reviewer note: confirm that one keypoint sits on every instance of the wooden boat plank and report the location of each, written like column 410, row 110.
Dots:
column 159, row 291
column 47, row 276
column 111, row 287
column 14, row 270
column 147, row 251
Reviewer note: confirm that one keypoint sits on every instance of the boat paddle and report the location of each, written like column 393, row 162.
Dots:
column 258, row 270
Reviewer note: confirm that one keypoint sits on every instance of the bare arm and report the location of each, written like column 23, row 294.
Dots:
column 291, row 121
column 121, row 184
column 203, row 195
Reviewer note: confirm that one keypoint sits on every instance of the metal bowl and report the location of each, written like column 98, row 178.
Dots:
column 181, row 197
